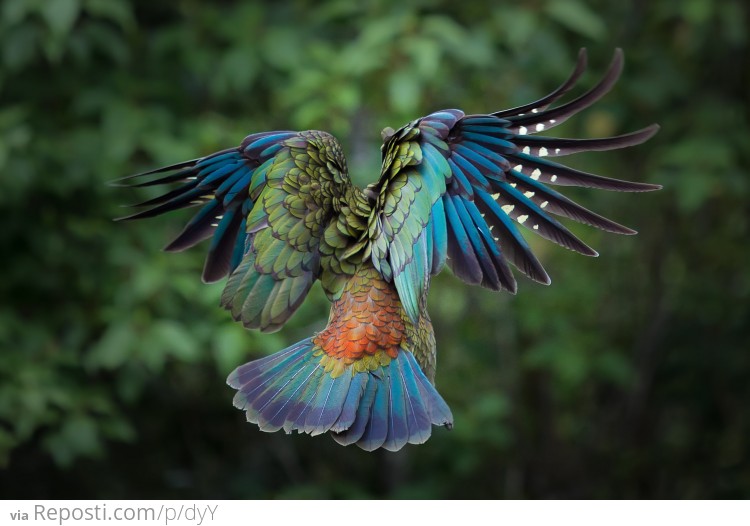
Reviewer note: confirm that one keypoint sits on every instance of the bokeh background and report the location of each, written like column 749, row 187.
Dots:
column 628, row 377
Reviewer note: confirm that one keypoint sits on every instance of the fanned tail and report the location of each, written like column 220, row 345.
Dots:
column 302, row 389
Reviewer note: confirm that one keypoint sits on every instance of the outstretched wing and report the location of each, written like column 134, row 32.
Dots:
column 453, row 187
column 280, row 210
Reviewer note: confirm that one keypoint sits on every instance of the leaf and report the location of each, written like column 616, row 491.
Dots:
column 14, row 11
column 114, row 348
column 60, row 15
column 174, row 339
column 229, row 347
column 114, row 10
column 577, row 17
column 19, row 46
column 403, row 91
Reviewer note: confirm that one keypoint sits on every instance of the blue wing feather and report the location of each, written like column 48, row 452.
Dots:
column 496, row 179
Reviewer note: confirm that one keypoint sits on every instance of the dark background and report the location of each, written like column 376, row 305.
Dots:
column 628, row 377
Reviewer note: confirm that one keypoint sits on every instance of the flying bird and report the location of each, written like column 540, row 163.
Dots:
column 281, row 213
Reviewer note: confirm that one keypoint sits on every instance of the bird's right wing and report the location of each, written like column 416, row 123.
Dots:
column 280, row 210
column 453, row 187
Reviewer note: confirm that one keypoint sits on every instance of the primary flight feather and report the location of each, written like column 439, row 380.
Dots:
column 282, row 213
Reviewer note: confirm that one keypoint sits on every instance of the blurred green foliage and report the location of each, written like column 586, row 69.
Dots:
column 628, row 377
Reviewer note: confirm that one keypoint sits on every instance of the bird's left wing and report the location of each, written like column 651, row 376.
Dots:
column 280, row 210
column 453, row 187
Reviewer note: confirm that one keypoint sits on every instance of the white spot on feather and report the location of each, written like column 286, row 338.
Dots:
column 542, row 152
column 518, row 167
column 545, row 204
column 522, row 130
column 513, row 185
column 557, row 150
column 192, row 178
column 219, row 217
column 552, row 121
column 536, row 173
column 536, row 227
column 534, row 110
column 508, row 208
column 553, row 178
column 495, row 196
column 523, row 218
column 528, row 194
column 526, row 150
column 214, row 224
column 539, row 127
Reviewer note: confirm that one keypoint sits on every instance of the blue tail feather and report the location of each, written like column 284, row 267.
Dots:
column 284, row 405
column 376, row 429
column 437, row 410
column 259, row 379
column 362, row 414
column 272, row 415
column 328, row 405
column 295, row 419
column 398, row 428
column 388, row 407
column 352, row 402
column 418, row 418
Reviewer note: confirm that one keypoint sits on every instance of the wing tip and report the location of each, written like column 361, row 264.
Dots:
column 582, row 61
column 642, row 187
column 637, row 137
column 174, row 246
column 617, row 228
column 130, row 217
column 169, row 168
column 618, row 60
column 590, row 252
column 650, row 130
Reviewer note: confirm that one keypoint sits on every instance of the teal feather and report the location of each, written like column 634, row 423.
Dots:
column 300, row 402
column 417, row 417
column 376, row 430
column 398, row 426
column 268, row 407
column 206, row 165
column 226, row 176
column 328, row 404
column 463, row 260
column 439, row 237
column 362, row 416
column 463, row 187
column 352, row 403
column 490, row 278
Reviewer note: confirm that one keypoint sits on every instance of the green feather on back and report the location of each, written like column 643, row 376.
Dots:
column 294, row 235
